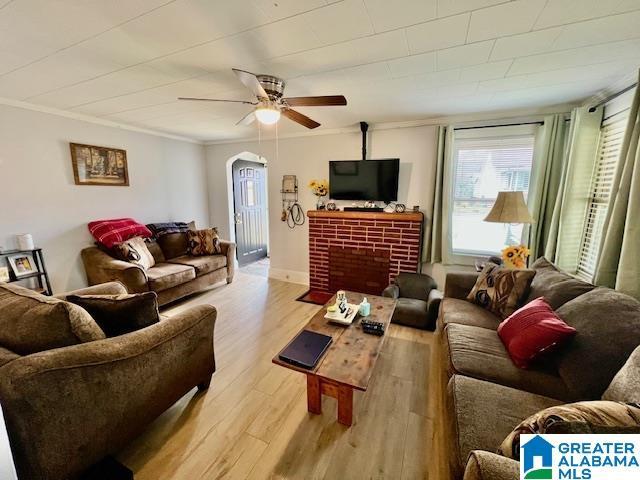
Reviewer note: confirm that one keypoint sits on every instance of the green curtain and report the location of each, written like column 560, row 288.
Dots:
column 569, row 212
column 434, row 234
column 619, row 262
column 545, row 181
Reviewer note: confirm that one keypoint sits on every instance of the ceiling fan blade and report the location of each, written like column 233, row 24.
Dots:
column 193, row 99
column 324, row 101
column 299, row 118
column 251, row 82
column 248, row 119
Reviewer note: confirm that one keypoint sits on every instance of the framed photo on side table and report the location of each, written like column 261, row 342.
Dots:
column 22, row 264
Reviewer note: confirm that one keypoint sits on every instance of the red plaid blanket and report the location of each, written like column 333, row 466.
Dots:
column 112, row 232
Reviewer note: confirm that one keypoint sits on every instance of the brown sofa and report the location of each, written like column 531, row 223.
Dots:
column 72, row 396
column 176, row 274
column 483, row 395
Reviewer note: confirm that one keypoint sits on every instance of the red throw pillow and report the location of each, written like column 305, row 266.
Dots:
column 112, row 232
column 532, row 330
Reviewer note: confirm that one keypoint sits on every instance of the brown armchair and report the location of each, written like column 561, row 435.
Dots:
column 418, row 300
column 67, row 408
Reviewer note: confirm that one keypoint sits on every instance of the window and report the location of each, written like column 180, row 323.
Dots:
column 611, row 136
column 251, row 194
column 482, row 167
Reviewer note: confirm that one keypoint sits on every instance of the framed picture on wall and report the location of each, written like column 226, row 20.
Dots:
column 22, row 264
column 94, row 165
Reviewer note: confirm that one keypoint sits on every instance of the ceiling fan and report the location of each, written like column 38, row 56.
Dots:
column 271, row 104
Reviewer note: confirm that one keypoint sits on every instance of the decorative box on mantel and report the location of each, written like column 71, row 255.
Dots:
column 362, row 251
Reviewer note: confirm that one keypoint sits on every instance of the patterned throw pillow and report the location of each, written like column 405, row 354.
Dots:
column 204, row 242
column 596, row 414
column 112, row 232
column 500, row 290
column 134, row 251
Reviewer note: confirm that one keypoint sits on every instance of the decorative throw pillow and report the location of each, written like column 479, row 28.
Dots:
column 499, row 289
column 204, row 242
column 111, row 232
column 134, row 251
column 531, row 331
column 597, row 414
column 120, row 314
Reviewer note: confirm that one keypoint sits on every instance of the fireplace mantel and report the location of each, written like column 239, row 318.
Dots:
column 348, row 249
column 406, row 216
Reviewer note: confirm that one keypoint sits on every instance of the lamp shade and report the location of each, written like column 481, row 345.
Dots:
column 509, row 208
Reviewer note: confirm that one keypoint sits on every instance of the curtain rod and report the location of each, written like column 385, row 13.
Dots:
column 612, row 96
column 502, row 125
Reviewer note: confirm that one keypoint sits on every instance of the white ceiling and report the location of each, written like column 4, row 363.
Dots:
column 395, row 60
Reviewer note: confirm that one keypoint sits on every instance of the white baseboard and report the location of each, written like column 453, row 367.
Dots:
column 289, row 275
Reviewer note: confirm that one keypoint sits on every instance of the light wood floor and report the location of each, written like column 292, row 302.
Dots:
column 252, row 422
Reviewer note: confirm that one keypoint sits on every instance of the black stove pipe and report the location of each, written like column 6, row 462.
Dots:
column 364, row 126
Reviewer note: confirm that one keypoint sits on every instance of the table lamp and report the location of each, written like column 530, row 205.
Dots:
column 510, row 208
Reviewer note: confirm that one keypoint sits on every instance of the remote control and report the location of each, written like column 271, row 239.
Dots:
column 374, row 328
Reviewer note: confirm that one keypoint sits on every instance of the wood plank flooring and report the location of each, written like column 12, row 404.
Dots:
column 253, row 422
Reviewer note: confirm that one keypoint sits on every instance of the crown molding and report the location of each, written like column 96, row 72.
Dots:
column 503, row 115
column 478, row 118
column 91, row 119
column 614, row 88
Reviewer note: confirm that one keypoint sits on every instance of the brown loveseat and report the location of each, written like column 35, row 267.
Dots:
column 176, row 274
column 483, row 395
column 70, row 396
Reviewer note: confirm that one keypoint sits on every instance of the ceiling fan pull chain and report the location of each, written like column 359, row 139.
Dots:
column 277, row 145
column 260, row 152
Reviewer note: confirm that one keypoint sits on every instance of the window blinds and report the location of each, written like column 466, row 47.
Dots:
column 611, row 137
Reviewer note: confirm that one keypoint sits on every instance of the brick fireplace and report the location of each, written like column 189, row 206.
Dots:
column 361, row 251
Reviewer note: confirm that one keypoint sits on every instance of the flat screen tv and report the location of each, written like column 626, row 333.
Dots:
column 364, row 179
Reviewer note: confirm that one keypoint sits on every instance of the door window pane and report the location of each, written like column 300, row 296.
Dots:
column 251, row 193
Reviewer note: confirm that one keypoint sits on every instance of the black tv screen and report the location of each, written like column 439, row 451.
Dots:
column 364, row 179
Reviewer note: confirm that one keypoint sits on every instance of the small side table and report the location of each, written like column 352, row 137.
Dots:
column 41, row 276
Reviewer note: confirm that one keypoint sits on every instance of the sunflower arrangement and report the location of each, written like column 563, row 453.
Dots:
column 515, row 256
column 320, row 188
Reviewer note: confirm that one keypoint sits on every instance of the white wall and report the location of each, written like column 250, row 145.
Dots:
column 38, row 195
column 308, row 157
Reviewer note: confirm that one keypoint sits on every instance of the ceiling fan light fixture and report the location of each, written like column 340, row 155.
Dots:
column 268, row 115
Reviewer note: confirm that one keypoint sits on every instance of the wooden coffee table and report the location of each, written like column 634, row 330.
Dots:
column 350, row 359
